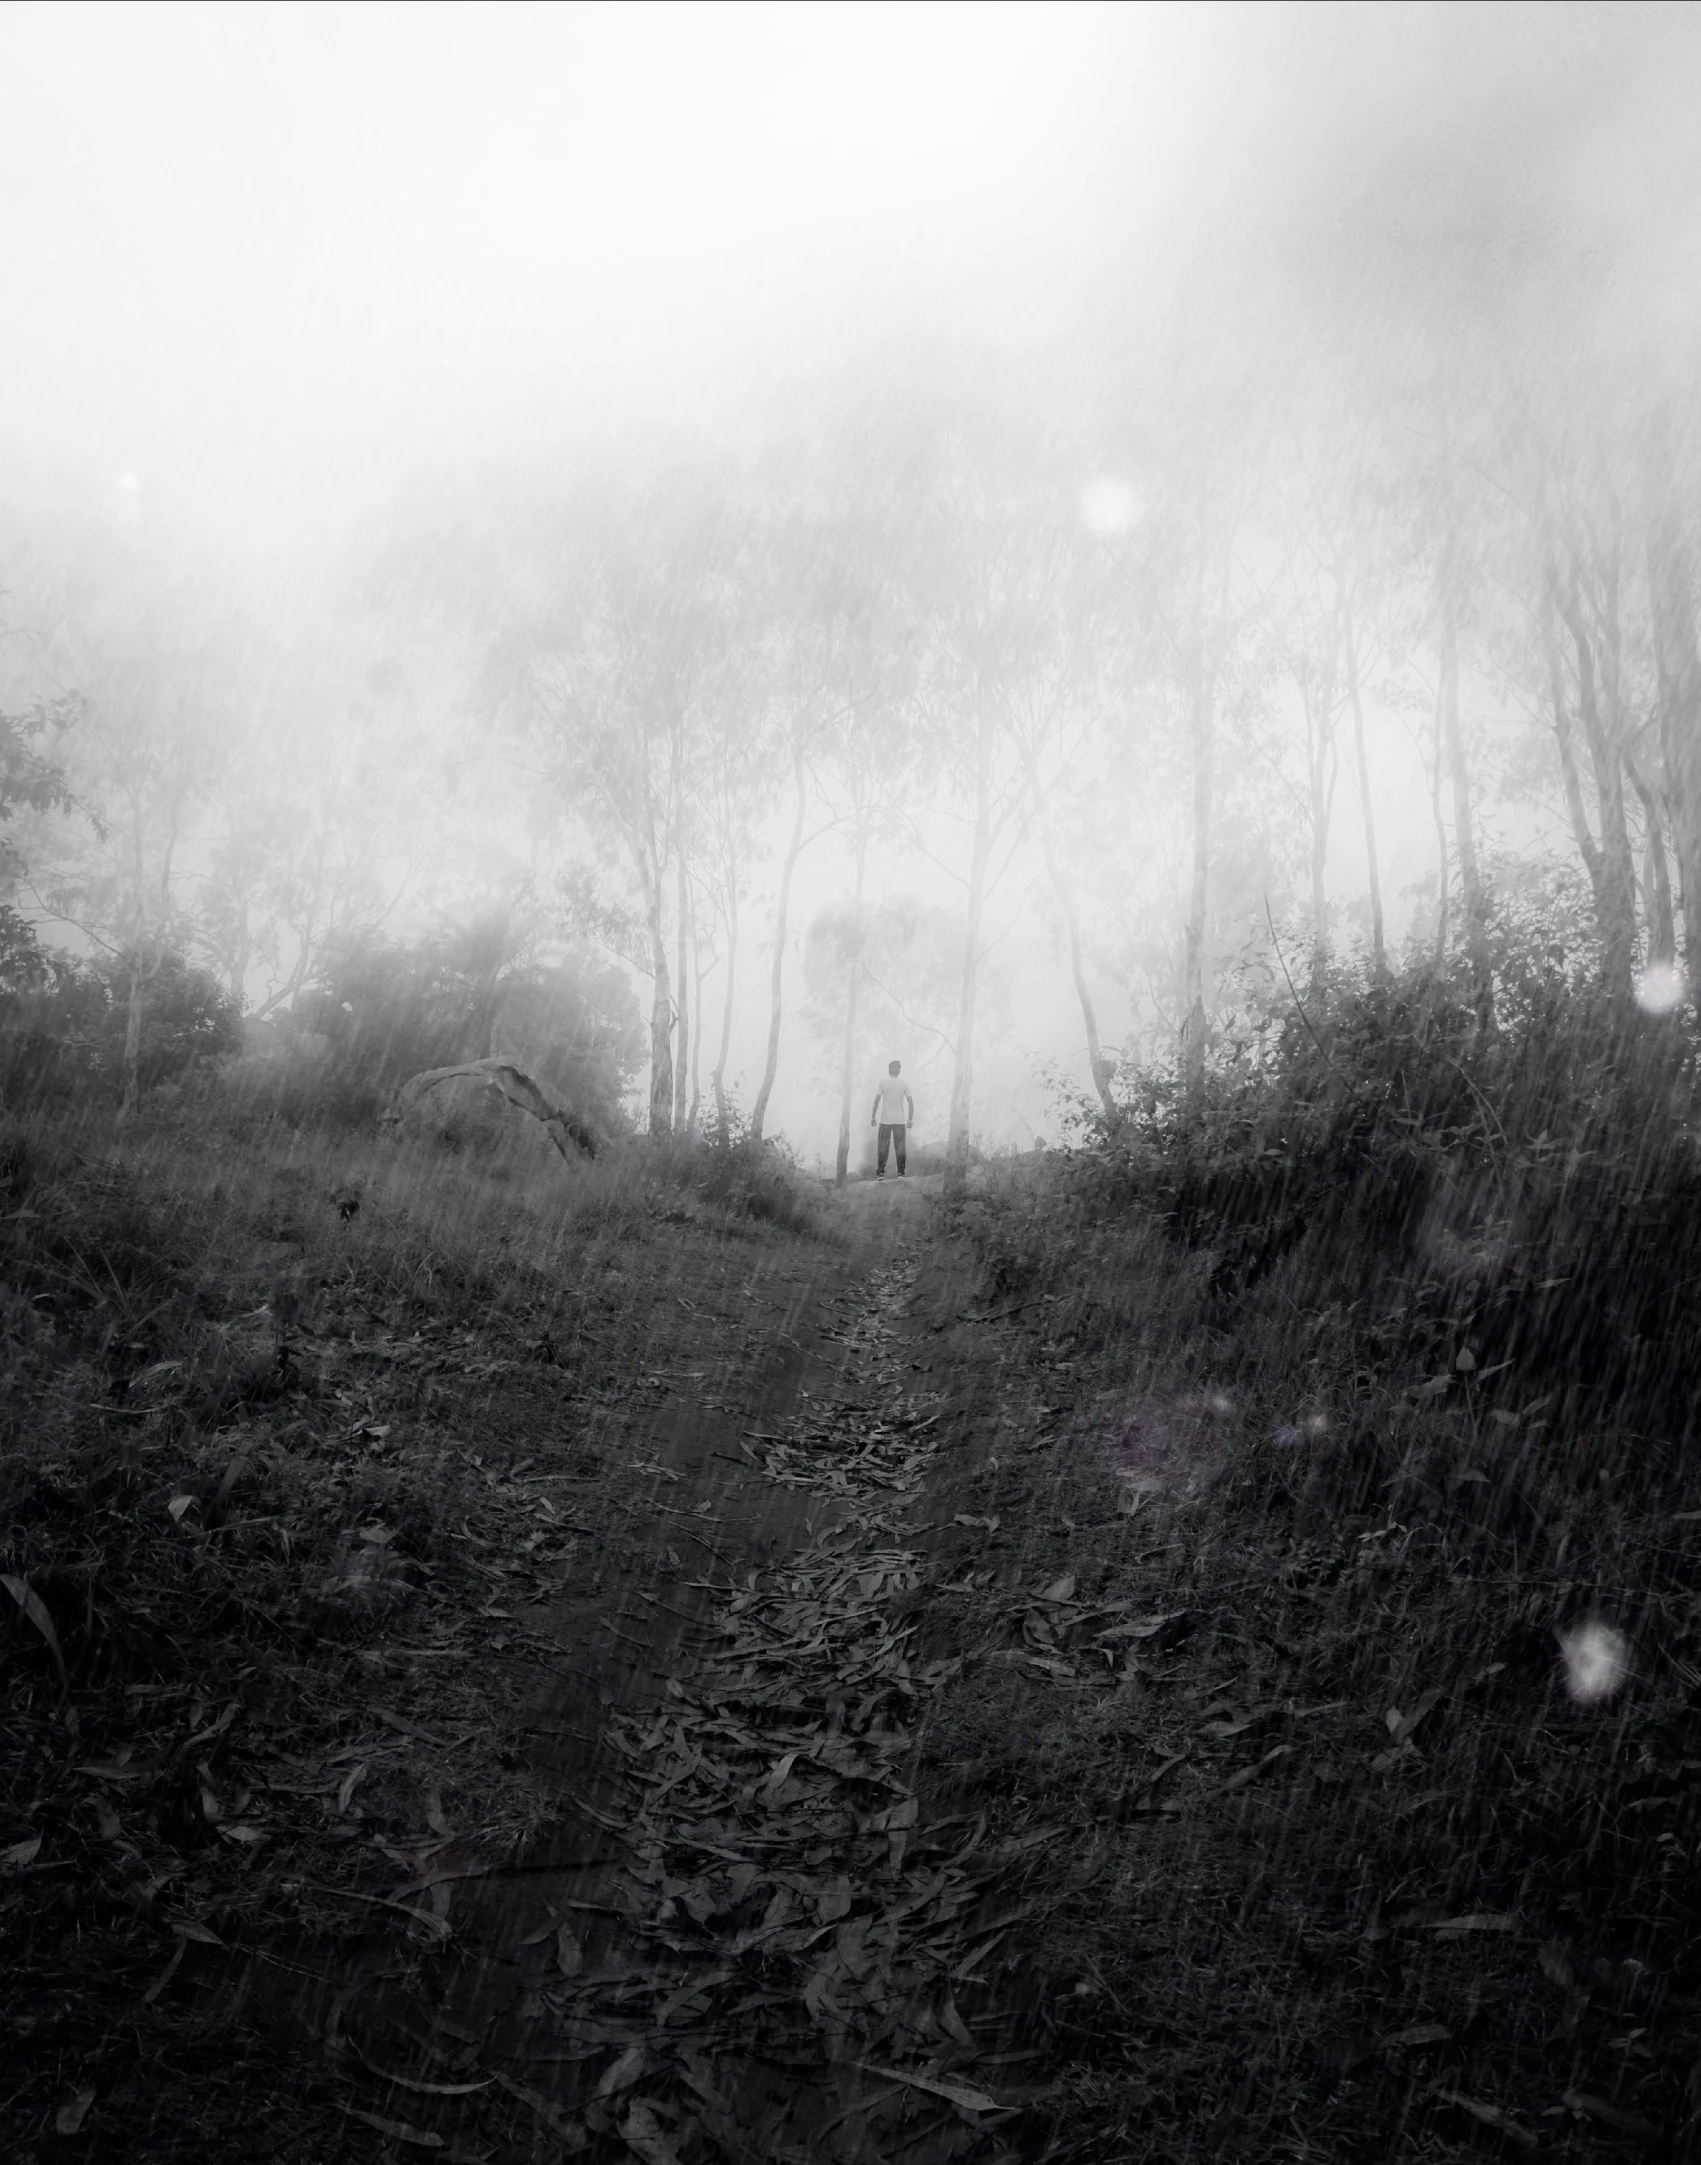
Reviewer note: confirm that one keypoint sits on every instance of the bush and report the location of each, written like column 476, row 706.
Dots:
column 1530, row 1189
column 63, row 1022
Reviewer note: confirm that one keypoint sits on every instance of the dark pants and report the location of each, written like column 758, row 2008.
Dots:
column 891, row 1133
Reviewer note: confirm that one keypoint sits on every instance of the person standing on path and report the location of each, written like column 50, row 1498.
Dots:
column 894, row 1110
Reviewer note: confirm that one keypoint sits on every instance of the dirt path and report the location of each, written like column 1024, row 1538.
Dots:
column 736, row 1929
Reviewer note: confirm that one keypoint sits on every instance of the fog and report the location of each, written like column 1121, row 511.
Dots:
column 1016, row 403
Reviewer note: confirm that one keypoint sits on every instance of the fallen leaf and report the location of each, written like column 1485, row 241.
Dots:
column 20, row 1854
column 1419, row 2033
column 569, row 2133
column 1146, row 1627
column 1610, row 2115
column 1062, row 1589
column 192, row 1928
column 68, row 2120
column 180, row 1506
column 569, row 1951
column 243, row 1832
column 421, row 2138
column 1400, row 1726
column 30, row 1602
column 953, row 2024
column 1490, row 2116
column 166, row 1975
column 834, row 1899
column 351, row 1782
column 622, row 2074
column 955, row 2093
column 1481, row 1920
column 641, row 2132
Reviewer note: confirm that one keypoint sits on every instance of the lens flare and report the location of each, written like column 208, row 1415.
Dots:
column 1661, row 988
column 1597, row 1662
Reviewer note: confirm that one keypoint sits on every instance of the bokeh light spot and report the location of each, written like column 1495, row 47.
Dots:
column 1661, row 988
column 1597, row 1662
column 1108, row 507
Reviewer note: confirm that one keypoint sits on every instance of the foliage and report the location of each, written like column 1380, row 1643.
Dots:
column 386, row 1010
column 63, row 1022
column 1528, row 1190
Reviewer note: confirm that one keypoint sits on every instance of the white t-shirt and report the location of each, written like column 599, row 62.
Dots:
column 894, row 1107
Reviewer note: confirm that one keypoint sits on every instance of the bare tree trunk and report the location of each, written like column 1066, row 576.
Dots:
column 962, row 1072
column 1471, row 893
column 698, row 973
column 1361, row 762
column 130, row 1099
column 1615, row 871
column 847, row 1063
column 1587, row 847
column 1444, row 862
column 661, row 1007
column 1195, row 1025
column 759, row 1111
column 1678, row 667
column 717, row 1076
column 1656, row 874
column 682, row 1046
column 1066, row 902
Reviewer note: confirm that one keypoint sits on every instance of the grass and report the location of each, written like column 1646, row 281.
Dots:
column 272, row 1394
column 1376, row 1881
column 1260, row 1539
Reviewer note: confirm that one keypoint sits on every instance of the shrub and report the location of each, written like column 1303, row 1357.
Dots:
column 1530, row 1188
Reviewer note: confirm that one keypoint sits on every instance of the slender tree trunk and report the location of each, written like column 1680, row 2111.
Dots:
column 847, row 1062
column 1060, row 887
column 130, row 1098
column 661, row 1005
column 771, row 1068
column 1320, row 809
column 1195, row 1026
column 1615, row 882
column 1361, row 762
column 962, row 1072
column 682, row 1046
column 1444, row 862
column 1656, row 874
column 1678, row 668
column 698, row 973
column 1471, row 894
column 1587, row 847
column 717, row 1076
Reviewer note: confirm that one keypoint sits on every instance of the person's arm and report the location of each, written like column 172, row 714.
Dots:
column 909, row 1105
column 874, row 1113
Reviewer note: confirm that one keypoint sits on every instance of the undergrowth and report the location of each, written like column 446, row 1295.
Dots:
column 1384, row 1341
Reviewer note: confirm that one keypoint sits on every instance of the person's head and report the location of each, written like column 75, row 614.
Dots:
column 892, row 1066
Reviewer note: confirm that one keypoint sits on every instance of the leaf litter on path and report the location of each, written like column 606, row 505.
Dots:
column 785, row 1907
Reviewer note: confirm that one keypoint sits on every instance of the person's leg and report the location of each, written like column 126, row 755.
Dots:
column 881, row 1147
column 899, row 1134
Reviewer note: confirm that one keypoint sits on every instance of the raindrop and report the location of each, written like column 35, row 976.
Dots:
column 1597, row 1662
column 1661, row 988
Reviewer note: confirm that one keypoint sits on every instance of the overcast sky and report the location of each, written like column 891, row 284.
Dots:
column 264, row 255
column 271, row 257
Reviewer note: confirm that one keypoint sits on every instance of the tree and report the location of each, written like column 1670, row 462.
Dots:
column 605, row 630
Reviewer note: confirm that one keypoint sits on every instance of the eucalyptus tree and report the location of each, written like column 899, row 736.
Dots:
column 615, row 602
column 153, row 659
column 827, row 659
